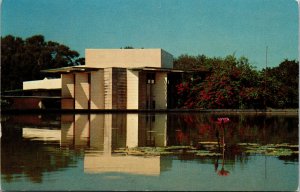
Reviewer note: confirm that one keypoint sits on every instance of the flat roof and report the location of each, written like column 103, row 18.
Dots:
column 88, row 69
column 40, row 97
column 29, row 90
column 71, row 69
column 158, row 69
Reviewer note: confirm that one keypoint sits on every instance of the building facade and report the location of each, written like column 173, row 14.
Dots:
column 125, row 79
column 119, row 79
column 37, row 94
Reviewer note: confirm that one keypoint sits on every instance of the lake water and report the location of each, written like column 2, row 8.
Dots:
column 175, row 151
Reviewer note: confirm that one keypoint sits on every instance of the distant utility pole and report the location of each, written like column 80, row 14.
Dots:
column 298, row 1
column 265, row 104
column 266, row 56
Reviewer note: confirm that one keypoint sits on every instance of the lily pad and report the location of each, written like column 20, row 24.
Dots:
column 178, row 147
column 280, row 152
column 248, row 144
column 270, row 151
column 208, row 143
column 282, row 145
column 207, row 153
column 192, row 151
column 258, row 151
column 294, row 146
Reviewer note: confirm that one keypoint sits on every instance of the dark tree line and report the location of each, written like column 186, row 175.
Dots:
column 23, row 59
column 282, row 85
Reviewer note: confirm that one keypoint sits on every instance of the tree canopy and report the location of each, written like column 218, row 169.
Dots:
column 23, row 59
column 234, row 83
column 282, row 84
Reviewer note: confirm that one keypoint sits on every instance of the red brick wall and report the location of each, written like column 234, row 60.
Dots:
column 25, row 103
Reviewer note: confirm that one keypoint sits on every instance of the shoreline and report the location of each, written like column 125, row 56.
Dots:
column 218, row 111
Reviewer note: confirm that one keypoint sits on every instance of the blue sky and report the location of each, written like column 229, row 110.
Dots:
column 209, row 27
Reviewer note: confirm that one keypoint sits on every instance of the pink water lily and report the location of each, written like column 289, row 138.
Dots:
column 223, row 172
column 223, row 120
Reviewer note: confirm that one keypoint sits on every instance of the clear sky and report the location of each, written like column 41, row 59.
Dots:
column 209, row 27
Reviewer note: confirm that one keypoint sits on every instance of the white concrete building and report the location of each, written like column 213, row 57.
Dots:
column 119, row 79
column 47, row 84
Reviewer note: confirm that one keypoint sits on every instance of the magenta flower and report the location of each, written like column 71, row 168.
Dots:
column 223, row 172
column 223, row 120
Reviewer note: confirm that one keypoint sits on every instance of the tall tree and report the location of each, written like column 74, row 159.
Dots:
column 22, row 60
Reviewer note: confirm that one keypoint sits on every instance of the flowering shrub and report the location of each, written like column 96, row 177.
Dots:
column 231, row 83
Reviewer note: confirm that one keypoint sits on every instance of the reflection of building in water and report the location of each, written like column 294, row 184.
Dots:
column 30, row 150
column 100, row 132
column 99, row 163
column 42, row 134
column 152, row 130
column 132, row 130
column 114, row 130
column 67, row 129
column 104, row 133
column 37, row 127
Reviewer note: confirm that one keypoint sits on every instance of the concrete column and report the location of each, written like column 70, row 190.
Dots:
column 132, row 89
column 160, row 91
column 82, row 91
column 108, row 88
column 67, row 91
column 97, row 89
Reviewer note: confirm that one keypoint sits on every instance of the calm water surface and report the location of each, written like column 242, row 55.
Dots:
column 109, row 152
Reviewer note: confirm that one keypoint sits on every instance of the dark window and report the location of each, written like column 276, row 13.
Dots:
column 153, row 104
column 89, row 78
column 150, row 78
column 153, row 118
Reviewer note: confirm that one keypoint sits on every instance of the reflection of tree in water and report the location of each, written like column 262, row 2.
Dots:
column 192, row 129
column 37, row 157
column 244, row 128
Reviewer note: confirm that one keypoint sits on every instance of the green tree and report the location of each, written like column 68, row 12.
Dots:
column 22, row 60
column 251, row 85
column 282, row 85
column 127, row 47
column 187, row 62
